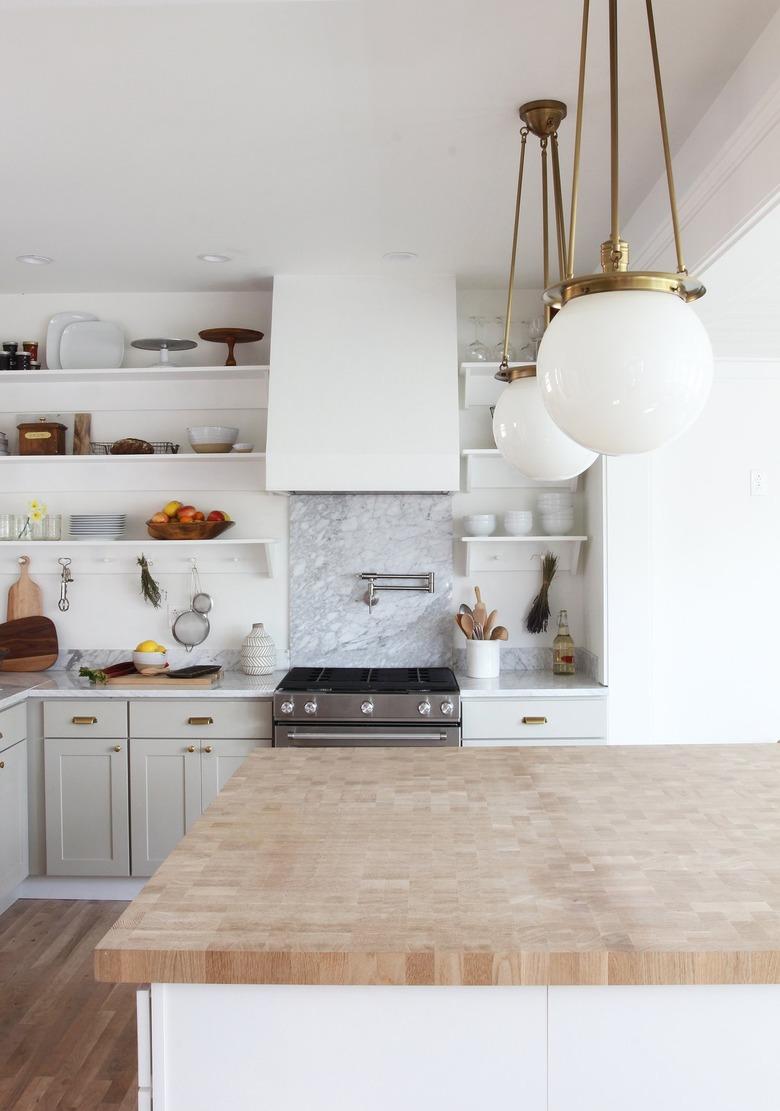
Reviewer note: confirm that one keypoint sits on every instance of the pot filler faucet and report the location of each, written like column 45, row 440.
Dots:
column 422, row 581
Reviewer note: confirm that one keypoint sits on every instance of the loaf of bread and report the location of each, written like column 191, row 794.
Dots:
column 131, row 446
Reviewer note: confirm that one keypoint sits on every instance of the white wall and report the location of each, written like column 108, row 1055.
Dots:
column 107, row 610
column 716, row 587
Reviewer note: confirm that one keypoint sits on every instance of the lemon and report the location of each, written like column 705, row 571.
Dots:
column 147, row 646
column 161, row 648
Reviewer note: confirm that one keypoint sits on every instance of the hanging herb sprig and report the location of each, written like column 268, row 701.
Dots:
column 539, row 614
column 149, row 588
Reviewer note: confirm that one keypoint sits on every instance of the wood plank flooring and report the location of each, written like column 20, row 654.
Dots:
column 66, row 1041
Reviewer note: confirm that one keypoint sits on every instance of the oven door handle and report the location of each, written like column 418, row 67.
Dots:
column 303, row 737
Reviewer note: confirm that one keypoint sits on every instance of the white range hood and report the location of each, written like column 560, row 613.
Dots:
column 363, row 389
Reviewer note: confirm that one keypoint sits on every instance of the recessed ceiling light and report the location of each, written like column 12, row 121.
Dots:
column 34, row 260
column 399, row 256
column 214, row 258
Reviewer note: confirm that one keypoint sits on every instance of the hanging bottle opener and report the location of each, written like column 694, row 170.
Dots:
column 65, row 579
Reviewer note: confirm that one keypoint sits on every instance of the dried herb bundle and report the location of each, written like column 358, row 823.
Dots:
column 539, row 614
column 149, row 588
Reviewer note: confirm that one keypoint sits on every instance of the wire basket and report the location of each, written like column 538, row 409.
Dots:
column 161, row 447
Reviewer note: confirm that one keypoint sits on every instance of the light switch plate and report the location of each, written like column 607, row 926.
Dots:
column 758, row 483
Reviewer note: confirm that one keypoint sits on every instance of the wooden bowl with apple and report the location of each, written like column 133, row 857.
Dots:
column 185, row 522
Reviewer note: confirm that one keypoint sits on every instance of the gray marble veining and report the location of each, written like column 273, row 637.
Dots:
column 333, row 537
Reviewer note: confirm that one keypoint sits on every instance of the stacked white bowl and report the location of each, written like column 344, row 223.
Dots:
column 479, row 524
column 557, row 513
column 518, row 522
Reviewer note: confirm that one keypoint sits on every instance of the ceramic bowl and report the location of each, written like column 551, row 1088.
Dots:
column 480, row 524
column 213, row 438
column 149, row 659
column 519, row 523
column 556, row 525
column 243, row 448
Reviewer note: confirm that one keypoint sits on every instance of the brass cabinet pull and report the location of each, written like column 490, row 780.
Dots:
column 534, row 721
column 207, row 748
column 84, row 721
column 1, row 737
column 117, row 748
column 190, row 748
column 2, row 763
column 200, row 721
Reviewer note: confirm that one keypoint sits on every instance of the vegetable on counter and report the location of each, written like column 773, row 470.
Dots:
column 102, row 675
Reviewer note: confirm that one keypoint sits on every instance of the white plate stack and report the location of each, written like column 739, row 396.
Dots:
column 557, row 513
column 97, row 526
column 3, row 444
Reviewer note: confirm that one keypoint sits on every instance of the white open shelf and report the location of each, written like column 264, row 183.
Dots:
column 486, row 469
column 480, row 387
column 150, row 374
column 186, row 471
column 511, row 553
column 143, row 460
column 166, row 556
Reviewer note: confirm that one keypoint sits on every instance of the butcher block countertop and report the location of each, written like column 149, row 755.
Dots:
column 618, row 865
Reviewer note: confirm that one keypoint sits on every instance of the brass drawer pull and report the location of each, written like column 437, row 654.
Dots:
column 2, row 763
column 207, row 748
column 84, row 721
column 534, row 721
column 200, row 721
column 190, row 748
column 117, row 748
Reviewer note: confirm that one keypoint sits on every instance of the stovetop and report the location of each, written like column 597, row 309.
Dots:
column 366, row 680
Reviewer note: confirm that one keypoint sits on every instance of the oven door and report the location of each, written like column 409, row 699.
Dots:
column 363, row 736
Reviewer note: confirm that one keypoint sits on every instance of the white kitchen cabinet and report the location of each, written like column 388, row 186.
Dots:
column 87, row 819
column 13, row 816
column 489, row 722
column 172, row 781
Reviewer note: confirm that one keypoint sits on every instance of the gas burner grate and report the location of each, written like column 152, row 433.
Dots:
column 357, row 680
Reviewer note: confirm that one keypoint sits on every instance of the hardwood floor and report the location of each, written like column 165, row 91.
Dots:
column 66, row 1041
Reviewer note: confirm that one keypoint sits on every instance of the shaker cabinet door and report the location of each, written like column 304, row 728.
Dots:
column 87, row 821
column 13, row 816
column 165, row 797
column 219, row 760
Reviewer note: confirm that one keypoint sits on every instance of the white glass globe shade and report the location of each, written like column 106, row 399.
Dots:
column 529, row 440
column 625, row 371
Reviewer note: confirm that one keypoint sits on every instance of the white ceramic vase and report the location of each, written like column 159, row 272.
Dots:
column 483, row 658
column 258, row 652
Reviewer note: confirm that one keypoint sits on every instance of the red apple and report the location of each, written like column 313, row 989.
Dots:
column 216, row 515
column 198, row 516
column 159, row 519
column 185, row 511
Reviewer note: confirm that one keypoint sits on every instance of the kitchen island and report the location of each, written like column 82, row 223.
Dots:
column 539, row 929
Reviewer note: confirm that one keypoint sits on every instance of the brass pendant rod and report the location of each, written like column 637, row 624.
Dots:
column 518, row 197
column 575, row 177
column 559, row 225
column 614, row 128
column 681, row 268
column 545, row 226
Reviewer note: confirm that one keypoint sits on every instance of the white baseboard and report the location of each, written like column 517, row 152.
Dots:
column 77, row 887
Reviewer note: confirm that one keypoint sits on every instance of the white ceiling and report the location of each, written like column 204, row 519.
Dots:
column 317, row 136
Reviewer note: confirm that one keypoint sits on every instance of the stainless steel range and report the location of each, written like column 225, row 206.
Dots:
column 370, row 707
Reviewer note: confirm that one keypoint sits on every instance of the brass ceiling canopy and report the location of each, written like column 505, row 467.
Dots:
column 540, row 118
column 614, row 251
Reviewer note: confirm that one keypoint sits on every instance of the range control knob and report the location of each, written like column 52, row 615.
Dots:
column 310, row 707
column 367, row 707
column 447, row 707
column 424, row 708
column 287, row 707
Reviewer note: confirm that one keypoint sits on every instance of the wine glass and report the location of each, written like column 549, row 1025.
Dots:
column 477, row 352
column 536, row 331
column 498, row 349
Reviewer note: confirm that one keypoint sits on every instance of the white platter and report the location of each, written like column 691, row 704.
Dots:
column 91, row 344
column 54, row 331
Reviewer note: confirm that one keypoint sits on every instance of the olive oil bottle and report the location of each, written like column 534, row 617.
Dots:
column 563, row 647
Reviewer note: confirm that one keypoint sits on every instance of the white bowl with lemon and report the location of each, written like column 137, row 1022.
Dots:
column 150, row 654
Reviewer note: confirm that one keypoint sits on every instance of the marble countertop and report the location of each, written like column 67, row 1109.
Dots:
column 67, row 684
column 529, row 684
column 621, row 865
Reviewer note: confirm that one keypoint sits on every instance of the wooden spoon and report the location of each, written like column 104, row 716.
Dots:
column 466, row 622
column 491, row 620
column 500, row 633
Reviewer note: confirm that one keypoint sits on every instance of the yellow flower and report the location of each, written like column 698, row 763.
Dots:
column 36, row 515
column 34, row 504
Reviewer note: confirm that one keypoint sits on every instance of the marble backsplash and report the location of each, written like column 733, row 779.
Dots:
column 333, row 537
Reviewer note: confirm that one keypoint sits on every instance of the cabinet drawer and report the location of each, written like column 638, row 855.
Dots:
column 202, row 718
column 533, row 719
column 85, row 718
column 13, row 725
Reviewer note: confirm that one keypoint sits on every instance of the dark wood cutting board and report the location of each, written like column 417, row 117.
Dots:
column 28, row 644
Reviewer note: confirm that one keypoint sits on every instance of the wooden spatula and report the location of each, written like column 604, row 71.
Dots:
column 24, row 597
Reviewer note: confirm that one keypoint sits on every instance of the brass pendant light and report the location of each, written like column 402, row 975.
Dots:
column 625, row 367
column 524, row 433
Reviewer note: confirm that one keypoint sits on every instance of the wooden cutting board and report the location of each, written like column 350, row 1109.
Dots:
column 28, row 644
column 24, row 597
column 159, row 681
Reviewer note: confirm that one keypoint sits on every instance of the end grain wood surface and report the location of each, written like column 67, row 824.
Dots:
column 620, row 865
